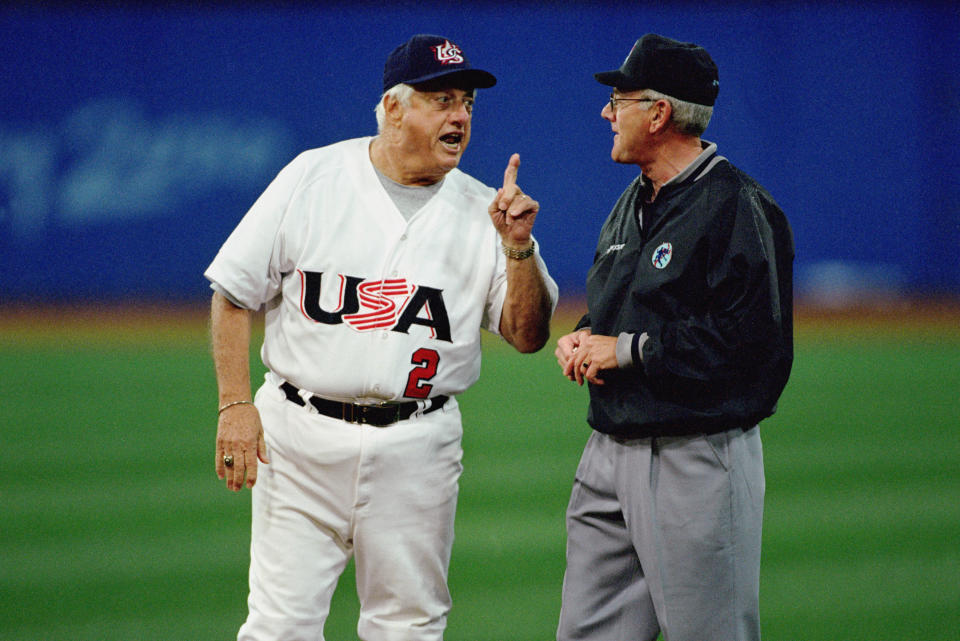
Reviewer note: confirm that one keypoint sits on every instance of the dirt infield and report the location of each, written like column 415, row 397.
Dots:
column 105, row 323
column 116, row 322
column 939, row 317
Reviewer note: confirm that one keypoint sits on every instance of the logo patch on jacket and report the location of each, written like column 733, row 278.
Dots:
column 662, row 255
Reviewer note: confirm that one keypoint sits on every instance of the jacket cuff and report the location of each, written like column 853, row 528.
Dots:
column 630, row 349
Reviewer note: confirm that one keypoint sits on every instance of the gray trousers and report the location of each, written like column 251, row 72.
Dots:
column 663, row 535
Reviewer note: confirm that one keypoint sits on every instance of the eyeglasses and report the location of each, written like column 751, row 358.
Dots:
column 614, row 100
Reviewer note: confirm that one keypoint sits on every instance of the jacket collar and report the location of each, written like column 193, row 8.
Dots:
column 693, row 172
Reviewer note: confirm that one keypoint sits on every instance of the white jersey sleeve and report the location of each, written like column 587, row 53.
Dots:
column 248, row 267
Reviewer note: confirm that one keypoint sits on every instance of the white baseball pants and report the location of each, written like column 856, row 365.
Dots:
column 386, row 495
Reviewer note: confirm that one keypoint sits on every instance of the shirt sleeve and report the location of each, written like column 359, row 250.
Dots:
column 251, row 262
column 220, row 289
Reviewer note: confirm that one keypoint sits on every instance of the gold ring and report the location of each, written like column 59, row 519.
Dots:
column 228, row 460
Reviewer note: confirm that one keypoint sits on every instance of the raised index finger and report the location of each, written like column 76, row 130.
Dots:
column 510, row 174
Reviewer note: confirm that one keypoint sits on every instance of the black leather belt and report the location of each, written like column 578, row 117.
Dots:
column 376, row 415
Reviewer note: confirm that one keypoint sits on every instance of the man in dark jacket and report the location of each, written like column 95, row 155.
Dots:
column 686, row 345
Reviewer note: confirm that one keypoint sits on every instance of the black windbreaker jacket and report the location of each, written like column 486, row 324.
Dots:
column 710, row 280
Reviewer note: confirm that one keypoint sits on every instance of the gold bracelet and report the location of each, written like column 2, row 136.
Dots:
column 220, row 411
column 519, row 254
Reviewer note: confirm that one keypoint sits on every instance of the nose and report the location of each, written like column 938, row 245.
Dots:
column 607, row 113
column 460, row 113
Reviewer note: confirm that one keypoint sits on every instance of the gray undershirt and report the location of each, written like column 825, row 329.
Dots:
column 408, row 199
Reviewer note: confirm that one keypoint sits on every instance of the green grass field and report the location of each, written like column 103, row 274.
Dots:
column 114, row 526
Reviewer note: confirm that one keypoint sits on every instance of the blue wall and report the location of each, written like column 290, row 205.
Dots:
column 132, row 140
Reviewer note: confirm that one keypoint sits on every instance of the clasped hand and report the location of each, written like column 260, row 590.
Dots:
column 582, row 356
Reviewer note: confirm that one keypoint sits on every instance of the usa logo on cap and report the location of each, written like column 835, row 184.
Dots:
column 662, row 255
column 448, row 53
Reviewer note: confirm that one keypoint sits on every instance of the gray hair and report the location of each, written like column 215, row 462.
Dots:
column 689, row 118
column 402, row 93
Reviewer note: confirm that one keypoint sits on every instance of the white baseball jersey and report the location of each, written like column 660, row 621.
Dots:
column 362, row 304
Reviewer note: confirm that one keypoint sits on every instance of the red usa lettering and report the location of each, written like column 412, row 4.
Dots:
column 381, row 302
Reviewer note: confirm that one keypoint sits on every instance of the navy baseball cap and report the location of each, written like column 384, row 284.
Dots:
column 434, row 60
column 682, row 70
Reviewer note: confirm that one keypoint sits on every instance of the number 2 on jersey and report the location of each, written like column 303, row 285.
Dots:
column 426, row 361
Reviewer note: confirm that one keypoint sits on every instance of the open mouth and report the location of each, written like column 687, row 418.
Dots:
column 452, row 141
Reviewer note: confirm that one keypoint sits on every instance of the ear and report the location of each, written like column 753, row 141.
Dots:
column 392, row 109
column 661, row 117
